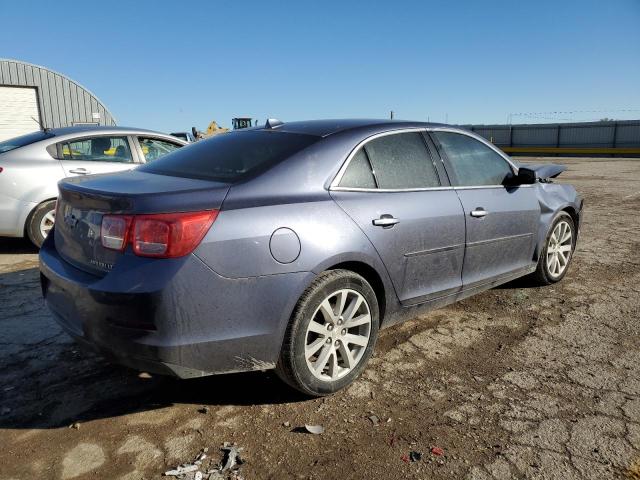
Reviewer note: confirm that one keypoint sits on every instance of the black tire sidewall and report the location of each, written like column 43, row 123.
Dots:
column 298, row 372
column 543, row 255
column 33, row 225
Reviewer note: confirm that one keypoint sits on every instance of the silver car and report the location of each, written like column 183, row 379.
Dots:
column 32, row 165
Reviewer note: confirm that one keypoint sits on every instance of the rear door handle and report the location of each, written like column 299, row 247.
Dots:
column 80, row 171
column 385, row 221
column 479, row 212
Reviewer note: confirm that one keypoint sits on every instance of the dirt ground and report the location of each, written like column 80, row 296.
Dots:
column 513, row 383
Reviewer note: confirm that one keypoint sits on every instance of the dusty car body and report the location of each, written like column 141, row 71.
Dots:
column 314, row 235
column 32, row 165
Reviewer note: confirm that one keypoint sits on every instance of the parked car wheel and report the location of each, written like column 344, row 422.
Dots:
column 557, row 252
column 41, row 222
column 331, row 335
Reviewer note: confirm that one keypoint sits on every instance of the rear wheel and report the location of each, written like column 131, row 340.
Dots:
column 331, row 335
column 41, row 222
column 557, row 251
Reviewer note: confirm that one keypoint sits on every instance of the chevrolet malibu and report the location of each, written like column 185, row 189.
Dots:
column 289, row 246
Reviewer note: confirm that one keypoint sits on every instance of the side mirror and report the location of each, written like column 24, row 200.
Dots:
column 525, row 176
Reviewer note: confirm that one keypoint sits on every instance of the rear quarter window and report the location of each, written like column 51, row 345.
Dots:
column 230, row 157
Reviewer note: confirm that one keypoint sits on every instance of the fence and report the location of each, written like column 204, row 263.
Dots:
column 608, row 138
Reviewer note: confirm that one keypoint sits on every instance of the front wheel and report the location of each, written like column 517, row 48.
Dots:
column 41, row 222
column 331, row 335
column 557, row 251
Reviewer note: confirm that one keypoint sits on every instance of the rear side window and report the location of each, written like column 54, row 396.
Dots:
column 358, row 174
column 230, row 156
column 402, row 161
column 473, row 163
column 98, row 149
column 154, row 148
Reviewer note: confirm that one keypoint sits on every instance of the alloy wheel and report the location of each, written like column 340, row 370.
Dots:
column 46, row 224
column 559, row 249
column 337, row 335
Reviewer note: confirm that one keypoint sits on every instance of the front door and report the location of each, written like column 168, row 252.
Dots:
column 501, row 222
column 392, row 190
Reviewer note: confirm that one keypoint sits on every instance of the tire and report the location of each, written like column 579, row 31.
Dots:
column 544, row 274
column 37, row 220
column 336, row 357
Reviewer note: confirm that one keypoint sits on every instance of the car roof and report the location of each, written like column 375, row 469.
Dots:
column 324, row 128
column 98, row 129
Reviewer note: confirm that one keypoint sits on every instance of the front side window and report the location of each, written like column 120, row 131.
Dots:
column 472, row 162
column 98, row 149
column 153, row 148
column 402, row 161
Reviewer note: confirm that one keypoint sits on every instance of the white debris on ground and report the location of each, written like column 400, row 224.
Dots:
column 198, row 469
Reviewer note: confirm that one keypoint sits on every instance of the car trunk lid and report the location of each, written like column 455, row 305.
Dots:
column 84, row 201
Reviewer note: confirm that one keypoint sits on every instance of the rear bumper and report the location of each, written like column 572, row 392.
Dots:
column 174, row 317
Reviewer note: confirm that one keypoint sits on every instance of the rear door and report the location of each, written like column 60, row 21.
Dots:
column 391, row 188
column 96, row 154
column 501, row 222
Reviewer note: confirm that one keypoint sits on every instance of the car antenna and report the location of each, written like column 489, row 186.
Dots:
column 44, row 129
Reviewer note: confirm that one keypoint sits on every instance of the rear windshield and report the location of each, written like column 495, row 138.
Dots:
column 230, row 156
column 28, row 139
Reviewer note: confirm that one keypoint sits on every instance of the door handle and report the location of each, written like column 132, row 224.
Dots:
column 80, row 171
column 479, row 212
column 385, row 221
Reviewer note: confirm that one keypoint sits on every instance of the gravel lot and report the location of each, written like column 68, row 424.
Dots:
column 513, row 383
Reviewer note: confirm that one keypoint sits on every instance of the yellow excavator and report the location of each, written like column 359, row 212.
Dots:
column 215, row 129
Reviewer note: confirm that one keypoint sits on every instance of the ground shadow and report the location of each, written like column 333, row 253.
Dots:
column 16, row 246
column 47, row 381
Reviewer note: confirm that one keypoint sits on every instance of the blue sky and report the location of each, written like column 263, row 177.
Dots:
column 173, row 65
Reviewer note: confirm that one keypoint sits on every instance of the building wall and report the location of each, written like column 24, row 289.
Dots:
column 61, row 101
column 608, row 138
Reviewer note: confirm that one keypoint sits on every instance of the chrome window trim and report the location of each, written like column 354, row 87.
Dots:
column 387, row 190
column 425, row 189
column 334, row 186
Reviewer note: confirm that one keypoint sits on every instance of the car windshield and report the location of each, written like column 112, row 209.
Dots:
column 28, row 139
column 230, row 156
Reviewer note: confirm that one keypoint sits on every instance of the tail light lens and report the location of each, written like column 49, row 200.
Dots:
column 163, row 235
column 114, row 231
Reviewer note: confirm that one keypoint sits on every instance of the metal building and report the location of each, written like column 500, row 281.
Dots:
column 29, row 92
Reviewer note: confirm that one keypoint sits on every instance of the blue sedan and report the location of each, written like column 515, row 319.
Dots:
column 289, row 246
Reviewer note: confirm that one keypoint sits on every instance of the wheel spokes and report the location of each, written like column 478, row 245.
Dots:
column 327, row 311
column 357, row 321
column 323, row 358
column 347, row 315
column 313, row 348
column 337, row 334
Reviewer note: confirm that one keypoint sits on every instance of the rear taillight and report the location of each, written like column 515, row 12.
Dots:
column 114, row 231
column 163, row 235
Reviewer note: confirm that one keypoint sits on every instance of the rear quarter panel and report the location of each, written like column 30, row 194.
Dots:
column 29, row 177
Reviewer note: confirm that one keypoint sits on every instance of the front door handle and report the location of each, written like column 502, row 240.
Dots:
column 80, row 171
column 479, row 212
column 385, row 221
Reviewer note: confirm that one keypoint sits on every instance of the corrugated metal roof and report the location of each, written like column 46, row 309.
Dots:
column 62, row 101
